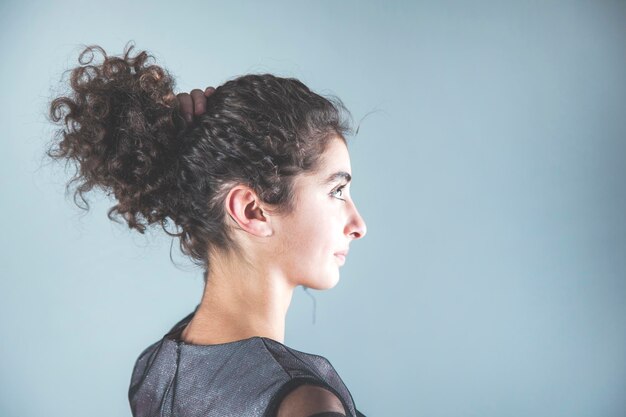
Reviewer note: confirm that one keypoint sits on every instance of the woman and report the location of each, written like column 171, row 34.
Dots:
column 257, row 189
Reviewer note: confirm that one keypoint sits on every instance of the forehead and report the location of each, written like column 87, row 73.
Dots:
column 334, row 164
column 334, row 167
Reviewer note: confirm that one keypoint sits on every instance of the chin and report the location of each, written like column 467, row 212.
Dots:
column 325, row 283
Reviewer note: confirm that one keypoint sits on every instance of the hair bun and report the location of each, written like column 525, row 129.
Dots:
column 122, row 128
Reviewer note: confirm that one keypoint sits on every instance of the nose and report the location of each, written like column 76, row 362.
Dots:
column 356, row 227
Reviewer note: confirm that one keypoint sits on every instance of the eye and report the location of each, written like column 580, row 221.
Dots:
column 338, row 190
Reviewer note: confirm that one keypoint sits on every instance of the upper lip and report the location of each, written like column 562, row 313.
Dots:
column 342, row 252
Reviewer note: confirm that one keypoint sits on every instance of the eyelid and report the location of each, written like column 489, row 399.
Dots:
column 339, row 188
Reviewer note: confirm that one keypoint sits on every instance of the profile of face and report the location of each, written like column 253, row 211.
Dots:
column 323, row 224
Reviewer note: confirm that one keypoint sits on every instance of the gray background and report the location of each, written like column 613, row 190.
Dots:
column 489, row 167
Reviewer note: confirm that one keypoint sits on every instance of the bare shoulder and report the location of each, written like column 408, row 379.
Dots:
column 307, row 400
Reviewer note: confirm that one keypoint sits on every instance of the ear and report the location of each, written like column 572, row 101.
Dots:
column 243, row 206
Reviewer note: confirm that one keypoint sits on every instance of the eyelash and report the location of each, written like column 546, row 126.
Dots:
column 337, row 190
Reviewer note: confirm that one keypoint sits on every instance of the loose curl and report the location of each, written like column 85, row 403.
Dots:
column 122, row 127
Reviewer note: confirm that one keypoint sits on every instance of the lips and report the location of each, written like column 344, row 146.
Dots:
column 341, row 255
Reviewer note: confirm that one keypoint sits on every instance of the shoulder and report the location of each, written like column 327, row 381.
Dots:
column 296, row 363
column 313, row 385
column 310, row 400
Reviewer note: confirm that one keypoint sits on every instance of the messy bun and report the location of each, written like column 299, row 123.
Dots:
column 122, row 127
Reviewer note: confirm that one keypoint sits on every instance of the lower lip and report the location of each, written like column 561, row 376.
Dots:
column 342, row 258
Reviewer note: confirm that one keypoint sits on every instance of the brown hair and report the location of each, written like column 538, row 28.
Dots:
column 122, row 127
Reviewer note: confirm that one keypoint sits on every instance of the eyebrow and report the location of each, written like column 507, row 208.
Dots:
column 337, row 176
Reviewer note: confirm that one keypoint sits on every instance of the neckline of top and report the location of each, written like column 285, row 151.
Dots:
column 174, row 335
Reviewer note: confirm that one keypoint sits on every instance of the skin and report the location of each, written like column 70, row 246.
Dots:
column 194, row 103
column 307, row 400
column 249, row 294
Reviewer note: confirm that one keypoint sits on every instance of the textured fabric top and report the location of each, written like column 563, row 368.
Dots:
column 247, row 377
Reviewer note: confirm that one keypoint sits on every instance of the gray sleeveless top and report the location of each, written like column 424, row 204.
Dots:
column 243, row 378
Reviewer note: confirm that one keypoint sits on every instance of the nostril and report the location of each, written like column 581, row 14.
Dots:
column 357, row 226
column 361, row 230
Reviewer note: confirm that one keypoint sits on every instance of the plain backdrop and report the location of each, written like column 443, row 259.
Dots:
column 489, row 166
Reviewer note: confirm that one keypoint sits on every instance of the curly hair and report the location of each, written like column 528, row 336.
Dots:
column 121, row 125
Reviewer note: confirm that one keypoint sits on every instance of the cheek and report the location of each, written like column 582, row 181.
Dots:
column 309, row 237
column 309, row 246
column 298, row 237
column 314, row 233
column 309, row 241
column 321, row 237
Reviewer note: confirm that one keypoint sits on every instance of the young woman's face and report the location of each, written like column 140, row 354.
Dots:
column 323, row 224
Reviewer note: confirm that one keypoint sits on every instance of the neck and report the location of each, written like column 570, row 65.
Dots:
column 240, row 302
